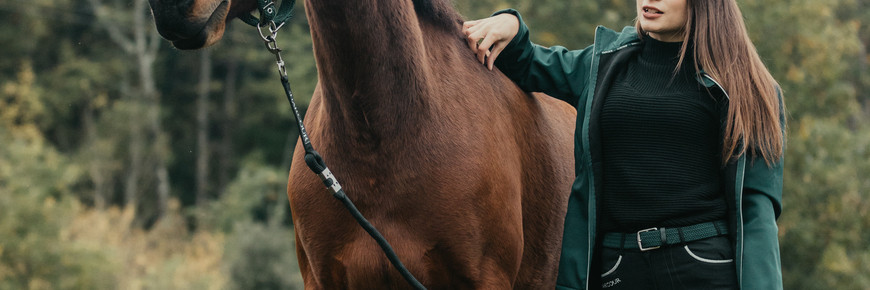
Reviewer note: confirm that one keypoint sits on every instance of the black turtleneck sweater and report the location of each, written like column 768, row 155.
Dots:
column 660, row 145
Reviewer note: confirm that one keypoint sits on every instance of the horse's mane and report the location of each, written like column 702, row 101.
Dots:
column 439, row 12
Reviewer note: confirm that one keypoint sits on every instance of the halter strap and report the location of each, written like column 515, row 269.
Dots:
column 269, row 11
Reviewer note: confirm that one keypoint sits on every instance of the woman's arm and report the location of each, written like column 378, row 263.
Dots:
column 503, row 41
column 762, row 205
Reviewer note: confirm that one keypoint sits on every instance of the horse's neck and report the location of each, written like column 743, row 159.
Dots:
column 371, row 63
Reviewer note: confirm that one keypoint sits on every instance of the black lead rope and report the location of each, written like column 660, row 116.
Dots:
column 315, row 161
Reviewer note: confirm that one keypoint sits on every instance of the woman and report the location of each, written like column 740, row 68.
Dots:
column 678, row 146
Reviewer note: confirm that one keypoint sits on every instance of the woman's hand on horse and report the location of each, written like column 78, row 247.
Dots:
column 489, row 36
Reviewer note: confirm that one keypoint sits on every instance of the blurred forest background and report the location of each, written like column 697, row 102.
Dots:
column 128, row 164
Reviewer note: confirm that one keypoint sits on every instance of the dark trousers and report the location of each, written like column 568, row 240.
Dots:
column 702, row 264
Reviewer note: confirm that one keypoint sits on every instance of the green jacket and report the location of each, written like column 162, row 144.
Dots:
column 581, row 78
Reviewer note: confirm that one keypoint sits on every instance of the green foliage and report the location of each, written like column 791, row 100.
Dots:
column 256, row 194
column 33, row 254
column 36, row 205
column 807, row 55
column 817, row 58
column 824, row 224
column 259, row 255
column 262, row 257
column 167, row 256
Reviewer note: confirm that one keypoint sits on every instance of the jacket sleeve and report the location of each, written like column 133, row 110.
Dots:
column 762, row 205
column 555, row 71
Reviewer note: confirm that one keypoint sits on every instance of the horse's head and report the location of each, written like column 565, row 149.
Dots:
column 193, row 24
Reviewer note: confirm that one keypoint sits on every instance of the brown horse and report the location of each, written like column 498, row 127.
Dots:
column 463, row 173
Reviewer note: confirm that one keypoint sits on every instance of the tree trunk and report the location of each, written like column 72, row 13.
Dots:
column 95, row 166
column 131, row 183
column 230, row 110
column 145, row 43
column 202, row 129
column 159, row 144
column 141, row 44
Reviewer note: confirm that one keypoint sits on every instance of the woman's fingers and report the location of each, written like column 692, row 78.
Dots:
column 472, row 43
column 488, row 37
column 470, row 23
column 471, row 36
column 468, row 29
column 474, row 39
column 483, row 46
column 486, row 42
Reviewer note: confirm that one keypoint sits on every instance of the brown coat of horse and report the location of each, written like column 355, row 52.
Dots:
column 463, row 173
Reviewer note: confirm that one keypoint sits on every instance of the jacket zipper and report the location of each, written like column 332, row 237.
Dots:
column 591, row 222
column 618, row 48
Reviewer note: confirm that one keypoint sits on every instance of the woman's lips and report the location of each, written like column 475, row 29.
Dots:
column 651, row 12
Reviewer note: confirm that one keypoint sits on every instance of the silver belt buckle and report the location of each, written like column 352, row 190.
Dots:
column 640, row 245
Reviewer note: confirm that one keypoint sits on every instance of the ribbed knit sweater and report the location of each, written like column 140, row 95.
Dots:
column 660, row 145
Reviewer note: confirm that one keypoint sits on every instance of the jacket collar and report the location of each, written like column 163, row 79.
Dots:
column 608, row 41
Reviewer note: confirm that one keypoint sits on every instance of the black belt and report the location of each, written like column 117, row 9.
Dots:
column 654, row 238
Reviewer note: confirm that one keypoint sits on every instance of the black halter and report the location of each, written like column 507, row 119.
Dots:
column 269, row 12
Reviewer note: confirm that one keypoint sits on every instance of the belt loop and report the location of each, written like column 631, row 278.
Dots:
column 718, row 231
column 682, row 238
column 621, row 244
column 664, row 236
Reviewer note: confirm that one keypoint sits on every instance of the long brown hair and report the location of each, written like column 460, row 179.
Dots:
column 722, row 48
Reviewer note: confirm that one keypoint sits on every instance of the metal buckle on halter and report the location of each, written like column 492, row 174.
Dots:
column 640, row 245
